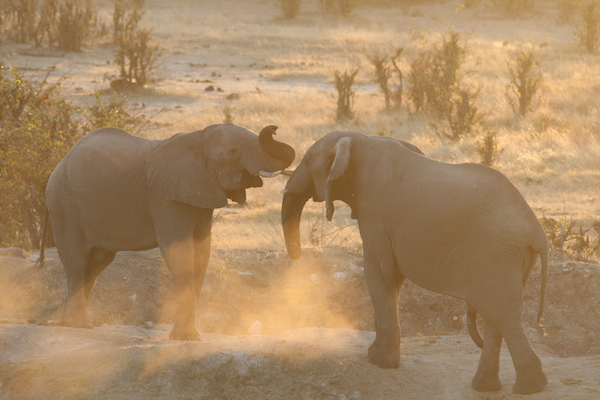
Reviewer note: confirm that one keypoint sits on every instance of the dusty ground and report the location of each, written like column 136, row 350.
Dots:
column 315, row 325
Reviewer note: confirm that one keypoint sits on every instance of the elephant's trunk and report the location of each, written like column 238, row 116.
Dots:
column 275, row 149
column 291, row 211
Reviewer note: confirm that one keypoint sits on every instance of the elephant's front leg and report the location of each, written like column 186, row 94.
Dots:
column 202, row 236
column 179, row 256
column 384, row 282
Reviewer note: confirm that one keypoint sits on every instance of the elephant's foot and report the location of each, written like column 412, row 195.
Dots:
column 384, row 357
column 530, row 382
column 185, row 334
column 486, row 383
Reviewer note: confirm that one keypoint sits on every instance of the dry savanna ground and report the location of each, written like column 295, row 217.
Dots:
column 314, row 324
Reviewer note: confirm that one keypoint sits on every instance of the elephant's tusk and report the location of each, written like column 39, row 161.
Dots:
column 284, row 191
column 287, row 172
column 265, row 174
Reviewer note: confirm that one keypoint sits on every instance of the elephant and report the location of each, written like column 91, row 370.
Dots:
column 114, row 192
column 458, row 229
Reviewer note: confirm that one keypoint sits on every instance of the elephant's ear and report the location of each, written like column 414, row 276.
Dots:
column 338, row 168
column 179, row 172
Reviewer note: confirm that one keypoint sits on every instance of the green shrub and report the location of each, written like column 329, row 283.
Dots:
column 345, row 101
column 588, row 27
column 525, row 81
column 37, row 128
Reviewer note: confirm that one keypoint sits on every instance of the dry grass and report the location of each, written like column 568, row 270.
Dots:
column 283, row 72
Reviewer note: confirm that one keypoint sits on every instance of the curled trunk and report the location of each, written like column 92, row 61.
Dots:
column 275, row 149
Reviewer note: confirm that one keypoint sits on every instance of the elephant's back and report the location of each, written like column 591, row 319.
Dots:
column 106, row 161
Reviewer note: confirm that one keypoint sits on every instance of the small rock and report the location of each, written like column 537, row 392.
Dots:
column 340, row 277
column 148, row 324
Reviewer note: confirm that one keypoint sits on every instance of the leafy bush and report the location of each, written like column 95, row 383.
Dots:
column 345, row 101
column 37, row 128
column 588, row 28
column 525, row 81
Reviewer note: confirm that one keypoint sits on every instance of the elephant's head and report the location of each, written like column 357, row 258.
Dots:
column 206, row 167
column 326, row 173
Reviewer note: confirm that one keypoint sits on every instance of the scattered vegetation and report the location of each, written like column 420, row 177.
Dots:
column 588, row 26
column 345, row 100
column 37, row 128
column 525, row 81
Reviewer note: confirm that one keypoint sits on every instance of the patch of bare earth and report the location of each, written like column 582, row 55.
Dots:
column 311, row 325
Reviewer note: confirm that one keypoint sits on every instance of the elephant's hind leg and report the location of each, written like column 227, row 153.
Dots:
column 486, row 379
column 75, row 260
column 97, row 262
column 504, row 313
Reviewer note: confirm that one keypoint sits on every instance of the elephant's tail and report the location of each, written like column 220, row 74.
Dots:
column 40, row 260
column 472, row 326
column 544, row 260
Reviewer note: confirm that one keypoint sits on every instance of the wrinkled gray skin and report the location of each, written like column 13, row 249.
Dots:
column 457, row 229
column 114, row 191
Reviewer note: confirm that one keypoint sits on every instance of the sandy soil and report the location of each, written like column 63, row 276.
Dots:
column 310, row 342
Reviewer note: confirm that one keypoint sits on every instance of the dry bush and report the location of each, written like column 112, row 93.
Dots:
column 345, row 101
column 525, row 81
column 385, row 71
column 588, row 26
column 434, row 75
column 136, row 55
column 567, row 10
column 487, row 147
column 74, row 23
column 65, row 25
